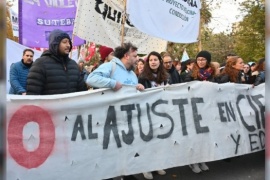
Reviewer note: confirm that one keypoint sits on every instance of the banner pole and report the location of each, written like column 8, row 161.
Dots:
column 72, row 40
column 123, row 23
column 9, row 25
column 200, row 36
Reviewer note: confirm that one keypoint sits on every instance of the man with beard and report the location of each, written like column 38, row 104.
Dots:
column 54, row 72
column 118, row 72
column 19, row 71
column 168, row 64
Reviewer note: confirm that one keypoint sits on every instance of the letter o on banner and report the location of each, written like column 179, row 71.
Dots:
column 20, row 118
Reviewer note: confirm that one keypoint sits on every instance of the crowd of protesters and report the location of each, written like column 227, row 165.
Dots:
column 55, row 73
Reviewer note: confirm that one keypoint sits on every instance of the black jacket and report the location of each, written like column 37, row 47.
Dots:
column 52, row 75
column 260, row 78
column 224, row 78
column 174, row 76
column 147, row 83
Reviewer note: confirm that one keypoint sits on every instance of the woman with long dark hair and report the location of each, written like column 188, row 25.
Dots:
column 139, row 67
column 153, row 75
column 247, row 74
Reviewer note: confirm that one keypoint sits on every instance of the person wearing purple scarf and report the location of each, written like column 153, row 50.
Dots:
column 202, row 70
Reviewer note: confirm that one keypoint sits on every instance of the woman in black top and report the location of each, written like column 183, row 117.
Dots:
column 154, row 74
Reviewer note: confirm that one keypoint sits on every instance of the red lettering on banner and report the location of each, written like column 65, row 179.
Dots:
column 24, row 115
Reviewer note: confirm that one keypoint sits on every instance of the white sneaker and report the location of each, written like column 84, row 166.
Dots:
column 147, row 175
column 203, row 166
column 161, row 172
column 195, row 168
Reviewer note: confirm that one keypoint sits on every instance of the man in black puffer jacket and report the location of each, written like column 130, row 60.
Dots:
column 54, row 72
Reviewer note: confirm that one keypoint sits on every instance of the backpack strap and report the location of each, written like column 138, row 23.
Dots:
column 113, row 68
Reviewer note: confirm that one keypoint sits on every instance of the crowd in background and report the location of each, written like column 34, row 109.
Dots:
column 201, row 68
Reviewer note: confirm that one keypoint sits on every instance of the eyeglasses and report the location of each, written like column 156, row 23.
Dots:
column 169, row 62
column 201, row 59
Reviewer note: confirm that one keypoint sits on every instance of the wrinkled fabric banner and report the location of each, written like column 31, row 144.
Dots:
column 102, row 133
column 99, row 21
column 38, row 18
column 172, row 20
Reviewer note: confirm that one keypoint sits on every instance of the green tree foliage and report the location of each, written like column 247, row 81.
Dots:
column 249, row 34
column 247, row 39
column 219, row 45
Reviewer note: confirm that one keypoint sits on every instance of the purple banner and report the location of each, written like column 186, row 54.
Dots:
column 38, row 18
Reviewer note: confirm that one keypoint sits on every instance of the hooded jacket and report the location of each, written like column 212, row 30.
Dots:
column 105, row 76
column 54, row 73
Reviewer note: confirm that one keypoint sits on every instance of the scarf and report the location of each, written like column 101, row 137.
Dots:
column 204, row 74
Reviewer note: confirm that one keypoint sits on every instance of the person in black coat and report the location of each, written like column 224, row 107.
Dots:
column 186, row 68
column 247, row 74
column 168, row 65
column 260, row 78
column 54, row 72
column 154, row 73
column 232, row 71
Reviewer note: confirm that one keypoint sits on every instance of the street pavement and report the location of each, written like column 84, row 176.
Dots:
column 246, row 167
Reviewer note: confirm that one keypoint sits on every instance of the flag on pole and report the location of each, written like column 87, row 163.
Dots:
column 91, row 51
column 184, row 56
column 175, row 21
column 38, row 18
column 101, row 22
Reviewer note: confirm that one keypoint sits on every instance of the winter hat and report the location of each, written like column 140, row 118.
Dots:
column 104, row 51
column 251, row 64
column 55, row 38
column 189, row 61
column 204, row 54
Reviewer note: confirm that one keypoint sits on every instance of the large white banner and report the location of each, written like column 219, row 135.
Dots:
column 101, row 134
column 172, row 20
column 99, row 21
column 14, row 53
